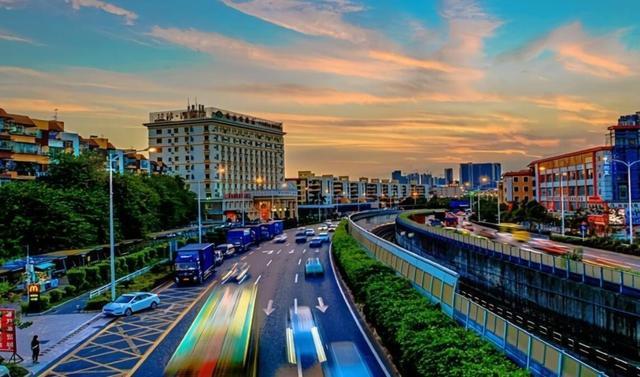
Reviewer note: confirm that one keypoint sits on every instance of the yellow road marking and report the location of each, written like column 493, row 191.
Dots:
column 127, row 339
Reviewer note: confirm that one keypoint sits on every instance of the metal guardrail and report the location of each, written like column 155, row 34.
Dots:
column 609, row 278
column 438, row 283
column 134, row 274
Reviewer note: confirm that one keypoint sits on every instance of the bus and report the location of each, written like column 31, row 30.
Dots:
column 221, row 340
column 517, row 232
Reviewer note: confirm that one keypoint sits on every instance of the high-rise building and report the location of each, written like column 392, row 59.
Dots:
column 477, row 176
column 396, row 175
column 234, row 161
column 448, row 176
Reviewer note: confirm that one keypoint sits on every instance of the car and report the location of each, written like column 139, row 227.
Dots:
column 301, row 239
column 281, row 238
column 237, row 273
column 304, row 346
column 348, row 362
column 331, row 230
column 324, row 236
column 130, row 303
column 227, row 249
column 301, row 233
column 301, row 229
column 309, row 232
column 313, row 267
column 316, row 242
column 218, row 256
column 467, row 225
column 322, row 228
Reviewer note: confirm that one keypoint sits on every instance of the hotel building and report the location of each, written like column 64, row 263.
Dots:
column 234, row 161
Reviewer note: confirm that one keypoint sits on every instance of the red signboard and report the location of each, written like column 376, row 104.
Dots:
column 7, row 330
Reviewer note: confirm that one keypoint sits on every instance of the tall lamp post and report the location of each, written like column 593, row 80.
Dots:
column 221, row 171
column 483, row 181
column 628, row 165
column 498, row 201
column 562, row 202
column 111, row 158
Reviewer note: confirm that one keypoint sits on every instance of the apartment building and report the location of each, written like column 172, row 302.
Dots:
column 517, row 187
column 234, row 161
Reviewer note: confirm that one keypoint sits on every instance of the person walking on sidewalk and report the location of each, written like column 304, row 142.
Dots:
column 35, row 349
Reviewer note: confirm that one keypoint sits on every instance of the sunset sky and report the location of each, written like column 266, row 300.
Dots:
column 362, row 87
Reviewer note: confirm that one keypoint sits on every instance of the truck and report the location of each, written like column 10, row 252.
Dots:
column 260, row 233
column 194, row 263
column 278, row 226
column 241, row 238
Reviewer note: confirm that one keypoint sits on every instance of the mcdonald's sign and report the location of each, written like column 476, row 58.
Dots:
column 34, row 292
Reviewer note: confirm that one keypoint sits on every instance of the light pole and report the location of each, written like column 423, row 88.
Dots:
column 199, row 213
column 483, row 181
column 111, row 158
column 414, row 194
column 220, row 173
column 498, row 201
column 628, row 165
column 562, row 203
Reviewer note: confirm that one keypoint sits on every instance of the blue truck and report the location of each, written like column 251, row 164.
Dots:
column 194, row 263
column 278, row 226
column 241, row 238
column 271, row 229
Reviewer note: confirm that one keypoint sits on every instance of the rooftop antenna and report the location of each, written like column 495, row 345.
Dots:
column 55, row 114
column 188, row 104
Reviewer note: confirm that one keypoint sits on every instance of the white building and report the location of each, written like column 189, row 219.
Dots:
column 235, row 161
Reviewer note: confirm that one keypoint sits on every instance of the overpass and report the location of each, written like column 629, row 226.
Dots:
column 483, row 314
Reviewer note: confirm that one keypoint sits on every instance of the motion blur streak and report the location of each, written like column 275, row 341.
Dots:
column 219, row 342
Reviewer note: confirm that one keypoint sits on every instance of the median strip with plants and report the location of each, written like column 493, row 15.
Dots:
column 422, row 340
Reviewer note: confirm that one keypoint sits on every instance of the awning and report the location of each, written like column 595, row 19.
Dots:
column 44, row 266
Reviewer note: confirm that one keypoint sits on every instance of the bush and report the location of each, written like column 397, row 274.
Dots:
column 104, row 271
column 422, row 340
column 16, row 370
column 97, row 303
column 45, row 302
column 56, row 295
column 70, row 290
column 76, row 276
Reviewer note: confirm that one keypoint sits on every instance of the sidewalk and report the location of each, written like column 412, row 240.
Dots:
column 58, row 333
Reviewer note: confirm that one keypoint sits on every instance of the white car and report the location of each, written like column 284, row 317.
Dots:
column 281, row 238
column 309, row 232
column 322, row 228
column 130, row 303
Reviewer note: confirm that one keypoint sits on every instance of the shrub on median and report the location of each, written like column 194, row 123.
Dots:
column 422, row 340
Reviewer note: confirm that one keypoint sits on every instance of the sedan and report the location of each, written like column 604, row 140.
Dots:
column 316, row 242
column 304, row 345
column 313, row 267
column 130, row 303
column 309, row 232
column 301, row 239
column 282, row 238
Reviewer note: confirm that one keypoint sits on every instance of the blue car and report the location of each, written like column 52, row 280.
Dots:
column 304, row 346
column 347, row 360
column 316, row 242
column 301, row 239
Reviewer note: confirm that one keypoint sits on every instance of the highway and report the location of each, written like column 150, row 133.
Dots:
column 276, row 273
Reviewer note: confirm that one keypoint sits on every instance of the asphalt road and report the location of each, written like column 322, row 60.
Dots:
column 148, row 340
column 598, row 256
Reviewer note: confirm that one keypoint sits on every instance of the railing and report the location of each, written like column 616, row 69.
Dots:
column 105, row 288
column 620, row 281
column 439, row 283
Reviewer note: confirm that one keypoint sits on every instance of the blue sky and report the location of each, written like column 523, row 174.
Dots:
column 415, row 85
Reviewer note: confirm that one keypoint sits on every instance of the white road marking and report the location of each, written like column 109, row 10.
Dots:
column 269, row 262
column 287, row 243
column 257, row 280
column 304, row 251
column 317, row 250
column 295, row 305
column 243, row 258
column 299, row 261
column 251, row 253
column 292, row 251
column 279, row 251
column 296, row 279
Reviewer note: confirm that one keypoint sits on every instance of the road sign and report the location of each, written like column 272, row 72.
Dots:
column 8, row 330
column 583, row 229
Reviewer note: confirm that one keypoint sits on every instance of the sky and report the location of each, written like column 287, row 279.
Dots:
column 362, row 87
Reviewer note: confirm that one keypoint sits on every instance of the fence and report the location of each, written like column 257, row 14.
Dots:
column 439, row 284
column 105, row 288
column 620, row 281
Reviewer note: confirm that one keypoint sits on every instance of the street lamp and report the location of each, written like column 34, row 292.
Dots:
column 111, row 158
column 628, row 165
column 562, row 203
column 221, row 171
column 414, row 194
column 483, row 180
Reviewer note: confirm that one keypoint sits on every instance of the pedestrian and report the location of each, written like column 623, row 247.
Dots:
column 35, row 349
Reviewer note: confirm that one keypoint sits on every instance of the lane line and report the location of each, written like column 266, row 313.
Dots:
column 296, row 279
column 243, row 258
column 279, row 251
column 355, row 319
column 304, row 251
column 292, row 251
column 257, row 280
column 251, row 252
column 269, row 262
column 295, row 305
column 299, row 261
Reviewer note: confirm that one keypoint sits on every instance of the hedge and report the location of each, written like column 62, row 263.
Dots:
column 422, row 340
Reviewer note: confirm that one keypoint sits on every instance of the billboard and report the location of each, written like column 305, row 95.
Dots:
column 7, row 330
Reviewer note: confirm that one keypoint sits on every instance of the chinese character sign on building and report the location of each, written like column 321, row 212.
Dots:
column 7, row 330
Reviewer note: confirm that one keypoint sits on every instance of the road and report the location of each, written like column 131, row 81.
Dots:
column 143, row 344
column 596, row 256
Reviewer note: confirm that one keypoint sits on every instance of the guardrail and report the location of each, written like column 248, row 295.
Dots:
column 601, row 276
column 439, row 284
column 134, row 274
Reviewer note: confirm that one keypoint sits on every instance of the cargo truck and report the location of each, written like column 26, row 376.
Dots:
column 240, row 238
column 194, row 263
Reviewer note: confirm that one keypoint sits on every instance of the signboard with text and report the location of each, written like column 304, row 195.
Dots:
column 7, row 330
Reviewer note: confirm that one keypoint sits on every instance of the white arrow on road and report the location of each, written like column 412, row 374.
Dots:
column 321, row 306
column 292, row 251
column 270, row 309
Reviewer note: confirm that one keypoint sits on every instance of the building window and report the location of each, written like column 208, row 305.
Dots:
column 515, row 189
column 158, row 132
column 159, row 140
column 515, row 179
column 526, row 179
